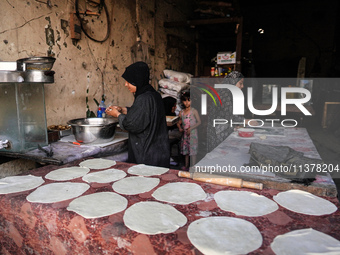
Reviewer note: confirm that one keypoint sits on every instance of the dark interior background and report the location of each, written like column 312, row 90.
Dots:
column 292, row 29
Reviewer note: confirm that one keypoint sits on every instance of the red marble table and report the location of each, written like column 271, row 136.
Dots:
column 33, row 228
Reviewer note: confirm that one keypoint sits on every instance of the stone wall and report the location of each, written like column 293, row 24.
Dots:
column 89, row 69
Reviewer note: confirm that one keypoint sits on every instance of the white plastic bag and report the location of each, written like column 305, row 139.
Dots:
column 178, row 76
column 173, row 85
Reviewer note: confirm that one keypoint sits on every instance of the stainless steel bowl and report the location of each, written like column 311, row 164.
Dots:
column 93, row 130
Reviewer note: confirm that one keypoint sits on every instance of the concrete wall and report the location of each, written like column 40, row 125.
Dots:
column 88, row 69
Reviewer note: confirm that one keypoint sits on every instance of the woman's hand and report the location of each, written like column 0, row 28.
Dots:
column 114, row 111
column 118, row 108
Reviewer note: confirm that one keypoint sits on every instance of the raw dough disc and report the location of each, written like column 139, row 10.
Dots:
column 13, row 184
column 67, row 173
column 105, row 176
column 98, row 205
column 135, row 185
column 56, row 192
column 153, row 218
column 305, row 241
column 245, row 203
column 304, row 202
column 145, row 170
column 98, row 163
column 182, row 193
column 224, row 235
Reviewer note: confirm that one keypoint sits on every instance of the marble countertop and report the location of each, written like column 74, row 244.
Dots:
column 65, row 152
column 232, row 154
column 51, row 229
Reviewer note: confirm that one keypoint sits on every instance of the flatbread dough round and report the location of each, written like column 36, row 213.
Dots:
column 98, row 205
column 13, row 184
column 145, row 170
column 98, row 163
column 105, row 176
column 153, row 218
column 224, row 235
column 57, row 192
column 304, row 202
column 182, row 193
column 67, row 173
column 135, row 185
column 245, row 203
column 305, row 241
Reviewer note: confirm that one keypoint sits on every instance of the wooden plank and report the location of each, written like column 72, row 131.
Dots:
column 239, row 28
column 328, row 114
column 202, row 22
column 219, row 3
column 75, row 28
column 301, row 69
column 279, row 183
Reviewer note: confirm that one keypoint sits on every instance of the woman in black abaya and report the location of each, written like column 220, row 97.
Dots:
column 144, row 120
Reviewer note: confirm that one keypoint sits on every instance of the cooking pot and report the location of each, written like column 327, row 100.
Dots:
column 93, row 130
column 35, row 64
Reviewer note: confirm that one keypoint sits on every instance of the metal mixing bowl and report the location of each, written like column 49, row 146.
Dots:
column 93, row 130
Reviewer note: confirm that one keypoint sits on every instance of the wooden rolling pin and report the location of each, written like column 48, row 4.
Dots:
column 221, row 180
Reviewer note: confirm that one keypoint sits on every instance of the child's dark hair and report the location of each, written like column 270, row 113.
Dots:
column 184, row 96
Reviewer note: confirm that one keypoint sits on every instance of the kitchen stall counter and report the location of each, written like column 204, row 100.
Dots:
column 34, row 228
column 231, row 158
column 65, row 151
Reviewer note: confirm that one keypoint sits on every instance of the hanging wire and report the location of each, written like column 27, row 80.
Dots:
column 100, row 6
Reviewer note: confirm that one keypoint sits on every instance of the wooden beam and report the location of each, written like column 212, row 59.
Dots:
column 197, row 60
column 199, row 22
column 223, row 4
column 75, row 27
column 238, row 31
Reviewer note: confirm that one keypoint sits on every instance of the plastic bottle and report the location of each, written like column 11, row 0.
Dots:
column 99, row 113
column 212, row 71
column 102, row 107
column 216, row 70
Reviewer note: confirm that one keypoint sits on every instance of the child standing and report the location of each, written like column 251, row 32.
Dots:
column 188, row 122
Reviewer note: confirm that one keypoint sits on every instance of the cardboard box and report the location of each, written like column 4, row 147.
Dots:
column 171, row 120
column 226, row 58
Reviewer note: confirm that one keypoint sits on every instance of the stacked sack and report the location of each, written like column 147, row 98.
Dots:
column 173, row 84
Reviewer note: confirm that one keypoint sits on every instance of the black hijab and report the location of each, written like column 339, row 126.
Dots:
column 169, row 103
column 138, row 74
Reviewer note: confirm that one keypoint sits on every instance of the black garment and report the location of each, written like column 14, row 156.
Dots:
column 296, row 165
column 138, row 74
column 169, row 103
column 145, row 121
column 216, row 135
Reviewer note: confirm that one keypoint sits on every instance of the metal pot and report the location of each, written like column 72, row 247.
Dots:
column 93, row 130
column 39, row 76
column 35, row 64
